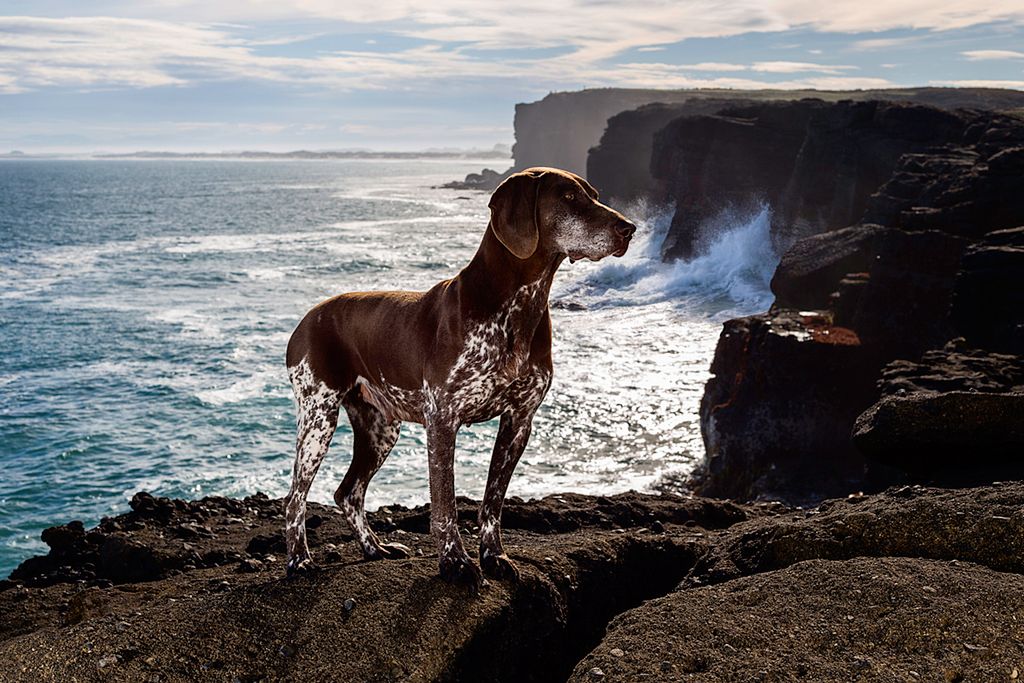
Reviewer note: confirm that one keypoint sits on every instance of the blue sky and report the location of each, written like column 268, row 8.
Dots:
column 330, row 74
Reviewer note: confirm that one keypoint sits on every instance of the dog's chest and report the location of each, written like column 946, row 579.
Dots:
column 493, row 372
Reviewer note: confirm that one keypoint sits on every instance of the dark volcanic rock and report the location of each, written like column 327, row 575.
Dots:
column 620, row 166
column 355, row 620
column 903, row 307
column 953, row 401
column 860, row 588
column 776, row 415
column 969, row 188
column 982, row 525
column 988, row 297
column 815, row 164
column 954, row 368
column 865, row 619
column 927, row 434
column 810, row 271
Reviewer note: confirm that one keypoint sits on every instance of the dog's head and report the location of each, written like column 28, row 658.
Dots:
column 551, row 211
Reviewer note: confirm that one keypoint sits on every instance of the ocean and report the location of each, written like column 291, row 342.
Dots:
column 145, row 307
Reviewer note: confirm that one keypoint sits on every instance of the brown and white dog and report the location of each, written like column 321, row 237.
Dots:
column 470, row 349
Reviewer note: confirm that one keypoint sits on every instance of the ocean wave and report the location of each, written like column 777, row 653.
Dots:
column 730, row 275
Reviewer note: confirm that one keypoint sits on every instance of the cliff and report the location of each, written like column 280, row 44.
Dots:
column 814, row 163
column 801, row 404
column 561, row 129
column 619, row 160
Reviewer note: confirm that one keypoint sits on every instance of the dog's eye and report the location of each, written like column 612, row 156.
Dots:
column 569, row 196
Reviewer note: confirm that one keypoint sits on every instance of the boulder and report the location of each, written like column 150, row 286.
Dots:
column 926, row 435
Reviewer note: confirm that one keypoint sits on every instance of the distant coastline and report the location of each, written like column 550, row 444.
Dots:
column 496, row 152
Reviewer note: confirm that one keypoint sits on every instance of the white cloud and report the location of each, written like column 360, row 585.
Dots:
column 798, row 67
column 977, row 55
column 712, row 66
column 884, row 43
column 146, row 46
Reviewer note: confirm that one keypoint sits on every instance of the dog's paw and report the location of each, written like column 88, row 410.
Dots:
column 499, row 566
column 390, row 551
column 462, row 570
column 300, row 567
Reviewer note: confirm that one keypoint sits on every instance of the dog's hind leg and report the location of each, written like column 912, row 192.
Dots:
column 318, row 408
column 374, row 435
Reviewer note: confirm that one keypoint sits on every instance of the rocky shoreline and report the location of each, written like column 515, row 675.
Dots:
column 892, row 360
column 910, row 584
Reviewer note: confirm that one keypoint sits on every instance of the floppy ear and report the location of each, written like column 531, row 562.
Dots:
column 514, row 213
column 587, row 187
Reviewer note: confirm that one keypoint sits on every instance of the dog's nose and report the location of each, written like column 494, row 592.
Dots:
column 625, row 229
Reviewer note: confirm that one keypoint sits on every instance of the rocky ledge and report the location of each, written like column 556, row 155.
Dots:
column 909, row 584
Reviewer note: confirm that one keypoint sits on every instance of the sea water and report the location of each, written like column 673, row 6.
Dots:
column 145, row 307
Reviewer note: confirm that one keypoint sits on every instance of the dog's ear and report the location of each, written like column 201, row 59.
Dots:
column 587, row 187
column 514, row 213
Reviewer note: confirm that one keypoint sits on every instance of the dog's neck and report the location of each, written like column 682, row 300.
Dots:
column 495, row 276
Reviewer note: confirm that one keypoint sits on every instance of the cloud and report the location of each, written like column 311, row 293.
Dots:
column 711, row 66
column 146, row 46
column 978, row 55
column 656, row 75
column 103, row 52
column 798, row 67
column 884, row 43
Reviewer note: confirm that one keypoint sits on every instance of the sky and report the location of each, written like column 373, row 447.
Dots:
column 216, row 75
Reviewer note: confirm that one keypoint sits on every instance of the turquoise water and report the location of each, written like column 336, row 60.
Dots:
column 145, row 307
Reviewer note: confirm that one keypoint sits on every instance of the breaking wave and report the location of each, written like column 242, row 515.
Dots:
column 729, row 276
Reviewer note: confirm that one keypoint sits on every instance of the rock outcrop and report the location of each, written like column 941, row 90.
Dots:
column 776, row 415
column 909, row 584
column 561, row 129
column 941, row 262
column 915, row 579
column 814, row 163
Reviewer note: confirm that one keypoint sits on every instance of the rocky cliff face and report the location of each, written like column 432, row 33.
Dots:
column 815, row 164
column 620, row 164
column 777, row 416
column 560, row 129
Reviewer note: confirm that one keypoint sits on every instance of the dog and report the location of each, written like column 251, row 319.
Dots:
column 472, row 348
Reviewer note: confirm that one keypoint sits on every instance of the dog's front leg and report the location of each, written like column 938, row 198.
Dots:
column 455, row 564
column 513, row 434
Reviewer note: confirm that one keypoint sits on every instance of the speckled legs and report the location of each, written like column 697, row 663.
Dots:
column 454, row 561
column 373, row 438
column 513, row 434
column 318, row 408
